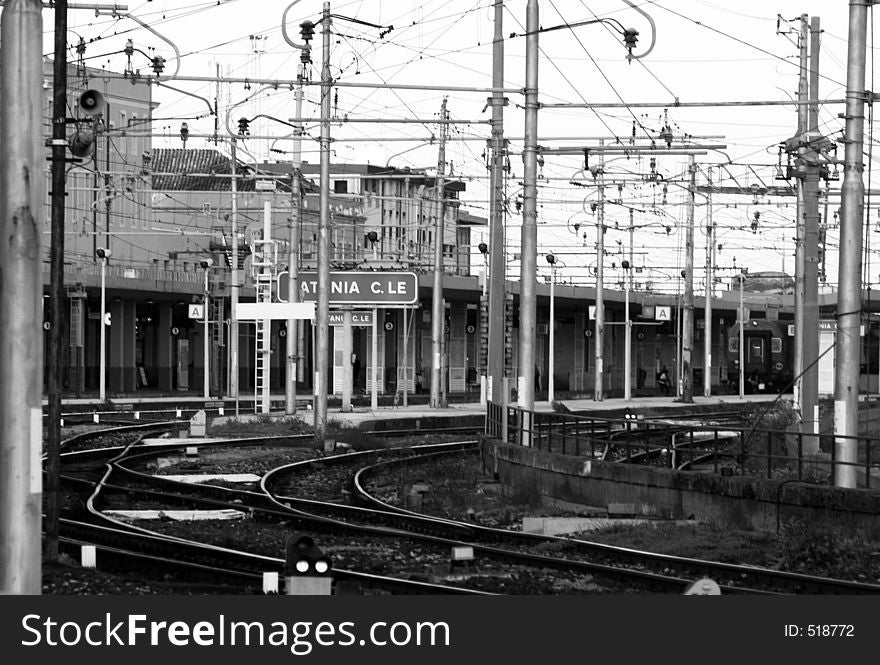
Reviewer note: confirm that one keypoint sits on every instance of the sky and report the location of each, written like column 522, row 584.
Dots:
column 703, row 52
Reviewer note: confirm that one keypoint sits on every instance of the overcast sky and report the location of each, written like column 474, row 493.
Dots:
column 704, row 52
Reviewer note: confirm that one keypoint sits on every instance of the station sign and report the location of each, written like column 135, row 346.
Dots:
column 355, row 287
column 357, row 318
column 662, row 313
column 196, row 311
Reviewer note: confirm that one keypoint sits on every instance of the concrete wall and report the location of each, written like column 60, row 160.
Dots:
column 744, row 503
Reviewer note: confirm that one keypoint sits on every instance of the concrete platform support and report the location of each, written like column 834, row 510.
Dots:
column 121, row 370
column 164, row 360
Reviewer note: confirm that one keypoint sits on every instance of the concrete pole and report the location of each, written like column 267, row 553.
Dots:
column 529, row 237
column 710, row 284
column 598, row 370
column 346, row 360
column 687, row 324
column 810, row 344
column 802, row 113
column 294, row 229
column 21, row 353
column 496, row 216
column 849, row 294
column 437, row 397
column 322, row 313
column 236, row 285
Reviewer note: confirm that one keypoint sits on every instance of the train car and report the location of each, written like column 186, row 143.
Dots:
column 768, row 355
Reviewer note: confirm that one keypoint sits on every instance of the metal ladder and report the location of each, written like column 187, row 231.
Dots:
column 264, row 277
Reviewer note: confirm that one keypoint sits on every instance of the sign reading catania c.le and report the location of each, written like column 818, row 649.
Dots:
column 358, row 287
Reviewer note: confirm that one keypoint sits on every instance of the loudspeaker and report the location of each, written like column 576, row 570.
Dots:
column 81, row 144
column 91, row 102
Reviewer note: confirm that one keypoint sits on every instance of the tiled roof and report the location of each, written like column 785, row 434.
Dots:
column 202, row 161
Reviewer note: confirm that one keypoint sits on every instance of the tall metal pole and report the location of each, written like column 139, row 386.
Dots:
column 551, row 383
column 849, row 294
column 374, row 357
column 687, row 324
column 710, row 284
column 810, row 344
column 438, row 397
column 802, row 112
column 322, row 313
column 598, row 370
column 627, row 324
column 346, row 360
column 742, row 339
column 293, row 251
column 236, row 285
column 206, row 360
column 21, row 352
column 56, row 282
column 102, row 358
column 529, row 236
column 496, row 216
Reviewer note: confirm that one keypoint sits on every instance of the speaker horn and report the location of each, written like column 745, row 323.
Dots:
column 82, row 144
column 91, row 102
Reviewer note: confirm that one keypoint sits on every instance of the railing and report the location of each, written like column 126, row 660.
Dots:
column 721, row 449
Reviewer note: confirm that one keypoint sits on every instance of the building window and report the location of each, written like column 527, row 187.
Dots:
column 340, row 186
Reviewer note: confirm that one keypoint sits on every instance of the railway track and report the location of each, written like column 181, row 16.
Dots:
column 336, row 514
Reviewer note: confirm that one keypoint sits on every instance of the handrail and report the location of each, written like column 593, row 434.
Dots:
column 724, row 448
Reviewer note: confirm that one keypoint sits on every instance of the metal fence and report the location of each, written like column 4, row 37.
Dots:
column 721, row 449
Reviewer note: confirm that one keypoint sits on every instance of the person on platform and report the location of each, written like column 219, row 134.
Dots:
column 663, row 380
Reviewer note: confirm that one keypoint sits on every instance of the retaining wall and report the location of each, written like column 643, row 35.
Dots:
column 740, row 502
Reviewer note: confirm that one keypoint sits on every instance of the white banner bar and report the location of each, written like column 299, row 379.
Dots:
column 254, row 311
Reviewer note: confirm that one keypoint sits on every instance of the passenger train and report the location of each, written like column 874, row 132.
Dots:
column 768, row 354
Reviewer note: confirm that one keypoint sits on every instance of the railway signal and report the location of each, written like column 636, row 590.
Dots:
column 307, row 571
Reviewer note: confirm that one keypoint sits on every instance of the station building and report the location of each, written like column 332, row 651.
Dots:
column 161, row 211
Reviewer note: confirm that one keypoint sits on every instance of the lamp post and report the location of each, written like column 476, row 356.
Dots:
column 550, row 371
column 206, row 266
column 103, row 254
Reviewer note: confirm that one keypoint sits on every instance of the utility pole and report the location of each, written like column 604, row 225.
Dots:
column 438, row 396
column 496, row 220
column 529, row 237
column 687, row 323
column 21, row 353
column 801, row 139
column 598, row 378
column 236, row 283
column 627, row 324
column 322, row 313
column 710, row 290
column 294, row 343
column 810, row 343
column 849, row 294
column 295, row 226
column 56, row 280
